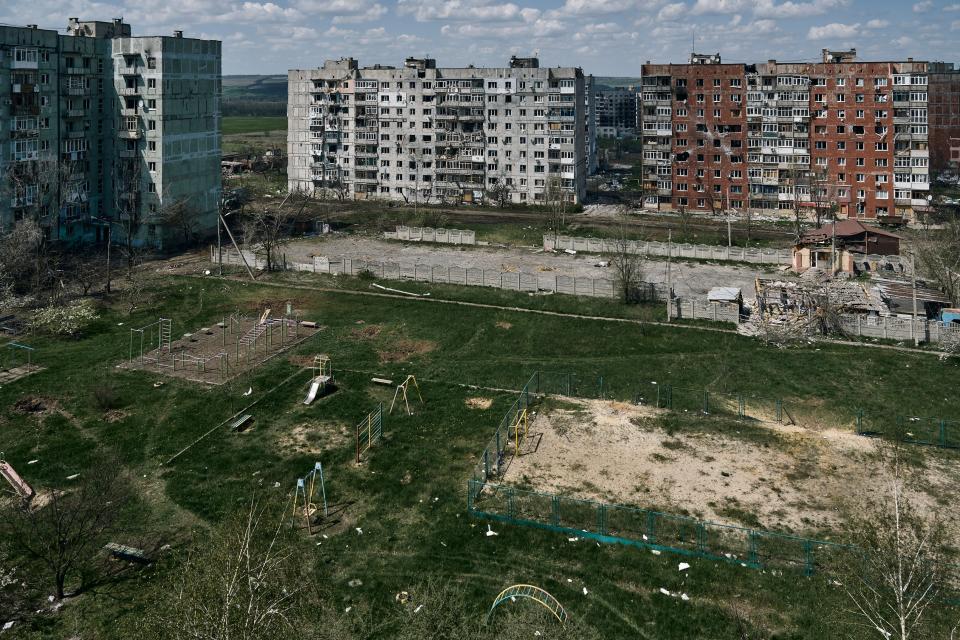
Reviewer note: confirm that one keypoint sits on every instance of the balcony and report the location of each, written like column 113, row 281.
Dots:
column 129, row 134
column 128, row 91
column 75, row 113
column 127, row 153
column 23, row 88
column 76, row 71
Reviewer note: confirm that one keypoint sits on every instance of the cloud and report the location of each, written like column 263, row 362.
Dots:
column 343, row 11
column 672, row 11
column 464, row 11
column 903, row 41
column 595, row 7
column 833, row 31
column 952, row 7
column 789, row 9
column 923, row 7
column 703, row 7
column 877, row 24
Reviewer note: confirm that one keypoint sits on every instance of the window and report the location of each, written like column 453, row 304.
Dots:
column 151, row 63
column 21, row 54
column 151, row 83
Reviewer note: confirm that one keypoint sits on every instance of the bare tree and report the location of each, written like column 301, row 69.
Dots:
column 556, row 198
column 127, row 203
column 183, row 217
column 242, row 585
column 627, row 265
column 65, row 534
column 500, row 191
column 938, row 257
column 895, row 583
column 823, row 195
column 685, row 215
column 268, row 228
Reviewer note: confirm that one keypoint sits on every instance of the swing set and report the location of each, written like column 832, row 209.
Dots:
column 403, row 387
column 304, row 496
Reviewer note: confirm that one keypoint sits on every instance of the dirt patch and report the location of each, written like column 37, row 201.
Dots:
column 115, row 415
column 403, row 349
column 368, row 332
column 313, row 437
column 36, row 405
column 478, row 403
column 790, row 479
column 504, row 325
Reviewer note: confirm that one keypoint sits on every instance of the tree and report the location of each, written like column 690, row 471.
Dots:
column 627, row 266
column 21, row 254
column 500, row 191
column 127, row 202
column 268, row 228
column 896, row 580
column 243, row 584
column 938, row 257
column 685, row 215
column 180, row 215
column 823, row 195
column 556, row 198
column 65, row 534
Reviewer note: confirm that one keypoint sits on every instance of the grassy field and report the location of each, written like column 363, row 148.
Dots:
column 409, row 499
column 242, row 125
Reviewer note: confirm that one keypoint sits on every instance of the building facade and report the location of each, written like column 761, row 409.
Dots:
column 944, row 115
column 840, row 135
column 616, row 111
column 109, row 133
column 426, row 134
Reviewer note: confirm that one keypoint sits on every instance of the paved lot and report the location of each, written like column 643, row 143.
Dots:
column 688, row 278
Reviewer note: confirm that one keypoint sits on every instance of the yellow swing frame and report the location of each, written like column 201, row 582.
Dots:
column 403, row 386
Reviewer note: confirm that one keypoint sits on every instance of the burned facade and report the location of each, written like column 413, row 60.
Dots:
column 841, row 135
column 423, row 133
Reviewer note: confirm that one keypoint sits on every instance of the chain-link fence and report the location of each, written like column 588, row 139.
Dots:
column 640, row 527
column 662, row 395
column 938, row 432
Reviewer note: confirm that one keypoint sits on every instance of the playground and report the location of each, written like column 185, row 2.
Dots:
column 216, row 353
column 364, row 532
column 17, row 361
column 749, row 472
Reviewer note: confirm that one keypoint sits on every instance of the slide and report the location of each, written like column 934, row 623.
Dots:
column 312, row 395
column 19, row 485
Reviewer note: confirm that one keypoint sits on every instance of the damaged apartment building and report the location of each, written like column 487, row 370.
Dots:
column 422, row 133
column 792, row 137
column 105, row 133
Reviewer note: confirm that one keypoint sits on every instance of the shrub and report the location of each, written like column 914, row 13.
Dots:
column 106, row 397
column 67, row 320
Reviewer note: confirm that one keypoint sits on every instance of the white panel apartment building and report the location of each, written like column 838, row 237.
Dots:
column 427, row 134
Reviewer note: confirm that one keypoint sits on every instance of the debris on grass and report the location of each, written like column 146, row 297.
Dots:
column 490, row 531
column 479, row 403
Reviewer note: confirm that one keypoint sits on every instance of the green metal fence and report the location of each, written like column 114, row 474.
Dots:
column 938, row 432
column 495, row 457
column 655, row 393
column 613, row 523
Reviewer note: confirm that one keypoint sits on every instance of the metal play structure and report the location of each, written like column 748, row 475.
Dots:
column 304, row 505
column 369, row 431
column 16, row 361
column 402, row 387
column 321, row 378
column 531, row 592
column 20, row 486
column 519, row 430
column 239, row 346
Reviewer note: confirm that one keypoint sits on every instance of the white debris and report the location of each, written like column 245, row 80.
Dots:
column 655, row 552
column 417, row 610
column 585, row 591
column 359, row 531
column 8, row 626
column 570, row 252
column 572, row 539
column 33, row 462
column 490, row 531
column 684, row 597
column 569, row 580
column 249, row 392
column 347, row 610
column 276, row 485
column 664, row 591
column 73, row 477
column 683, row 566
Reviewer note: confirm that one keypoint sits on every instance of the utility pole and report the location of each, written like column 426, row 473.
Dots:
column 833, row 250
column 913, row 282
column 109, row 242
column 669, row 288
column 729, row 235
column 219, row 246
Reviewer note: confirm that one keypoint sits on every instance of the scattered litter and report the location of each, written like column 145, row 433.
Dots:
column 206, row 272
column 406, row 293
column 443, row 544
column 572, row 539
column 119, row 324
column 73, row 477
column 359, row 531
column 490, row 531
column 325, row 537
column 33, row 462
column 347, row 610
column 655, row 552
column 683, row 566
column 276, row 485
column 585, row 592
column 417, row 610
column 570, row 252
column 8, row 626
column 602, row 263
column 356, row 582
column 569, row 580
column 157, row 385
column 403, row 597
column 249, row 392
column 684, row 597
column 664, row 591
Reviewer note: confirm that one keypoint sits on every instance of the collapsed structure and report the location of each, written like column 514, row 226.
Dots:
column 422, row 133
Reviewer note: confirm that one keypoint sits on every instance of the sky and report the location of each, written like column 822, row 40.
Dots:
column 604, row 37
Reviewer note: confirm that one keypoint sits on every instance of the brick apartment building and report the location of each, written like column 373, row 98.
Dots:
column 788, row 136
column 944, row 115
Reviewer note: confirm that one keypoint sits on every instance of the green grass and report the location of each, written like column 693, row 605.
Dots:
column 234, row 125
column 409, row 499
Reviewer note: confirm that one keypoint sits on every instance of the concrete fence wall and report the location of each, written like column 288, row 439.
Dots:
column 676, row 250
column 899, row 328
column 428, row 234
column 682, row 308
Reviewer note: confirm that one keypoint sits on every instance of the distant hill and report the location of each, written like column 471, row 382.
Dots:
column 615, row 81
